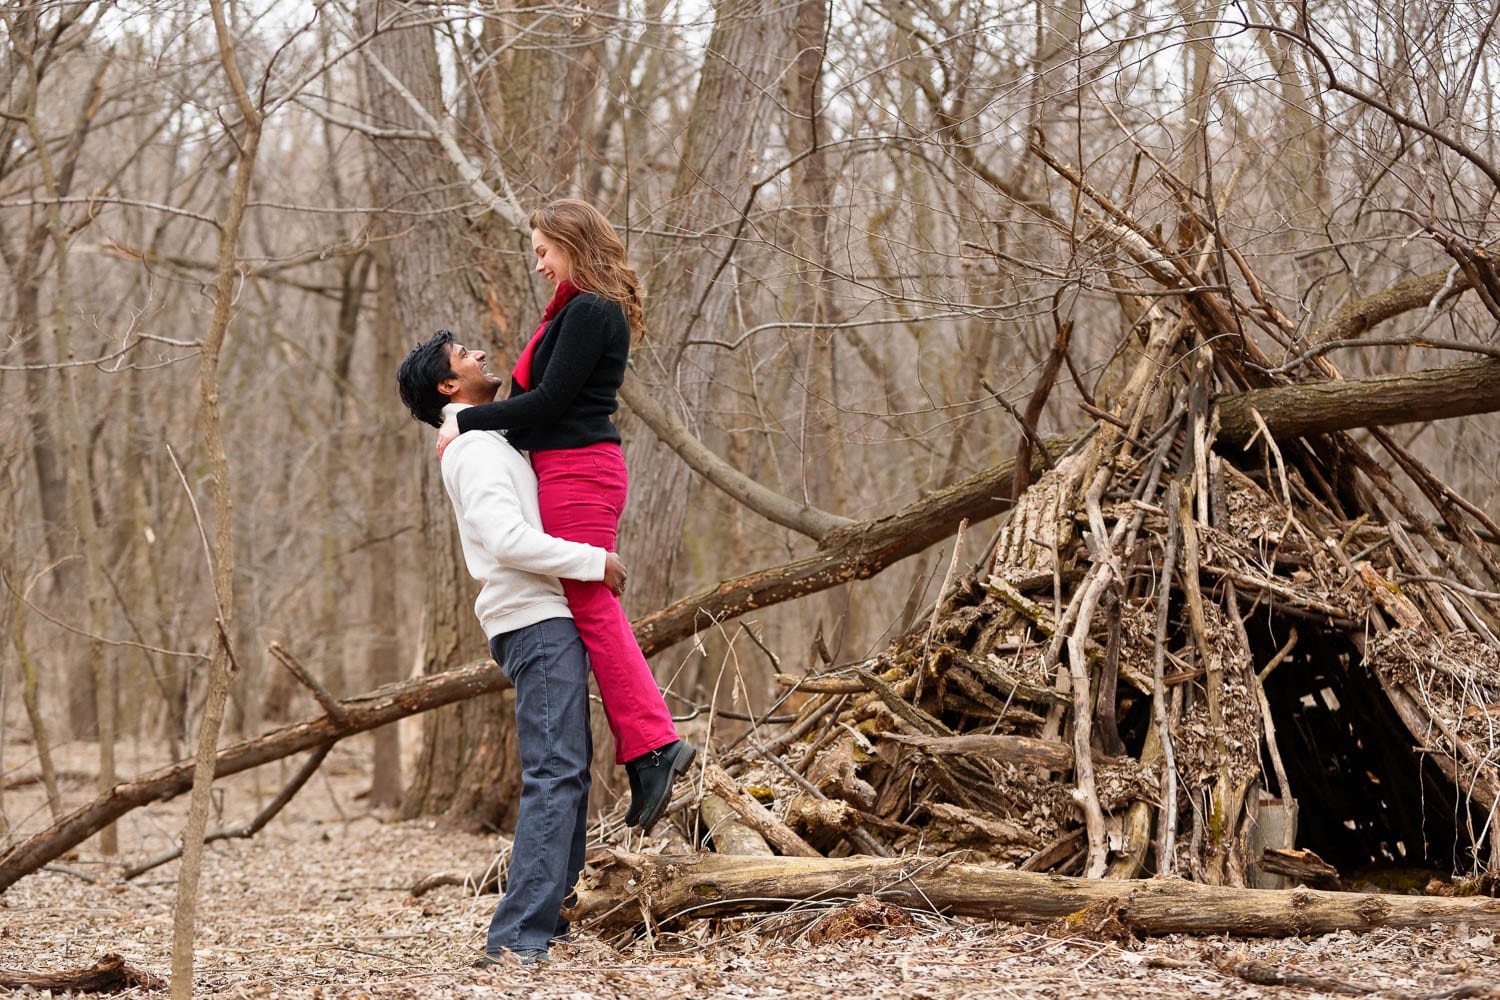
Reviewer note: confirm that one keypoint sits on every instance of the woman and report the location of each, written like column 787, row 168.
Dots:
column 563, row 391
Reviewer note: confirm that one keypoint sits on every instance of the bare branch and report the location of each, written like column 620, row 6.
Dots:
column 806, row 520
column 503, row 204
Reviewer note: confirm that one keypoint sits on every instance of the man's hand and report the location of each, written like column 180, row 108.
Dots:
column 446, row 434
column 614, row 573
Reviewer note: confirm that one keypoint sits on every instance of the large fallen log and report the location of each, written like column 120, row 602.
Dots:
column 708, row 885
column 368, row 711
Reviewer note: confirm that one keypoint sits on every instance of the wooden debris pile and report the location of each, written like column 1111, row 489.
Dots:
column 1182, row 657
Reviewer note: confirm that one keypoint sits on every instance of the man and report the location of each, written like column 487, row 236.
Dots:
column 531, row 635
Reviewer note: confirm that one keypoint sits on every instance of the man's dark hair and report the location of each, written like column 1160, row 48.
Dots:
column 418, row 377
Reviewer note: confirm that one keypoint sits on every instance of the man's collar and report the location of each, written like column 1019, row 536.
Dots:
column 449, row 409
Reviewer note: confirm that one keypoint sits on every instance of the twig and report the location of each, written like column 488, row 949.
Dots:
column 1262, row 974
column 1487, row 595
column 1166, row 850
column 1281, row 654
column 1432, row 343
column 328, row 701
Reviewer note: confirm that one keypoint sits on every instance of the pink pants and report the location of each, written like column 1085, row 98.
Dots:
column 582, row 493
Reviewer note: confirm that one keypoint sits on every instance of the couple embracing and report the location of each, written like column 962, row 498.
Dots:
column 539, row 536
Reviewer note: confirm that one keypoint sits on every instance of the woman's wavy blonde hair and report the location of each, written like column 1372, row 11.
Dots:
column 596, row 252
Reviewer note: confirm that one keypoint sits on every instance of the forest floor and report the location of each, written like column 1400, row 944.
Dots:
column 319, row 904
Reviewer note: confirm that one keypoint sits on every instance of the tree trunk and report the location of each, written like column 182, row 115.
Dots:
column 747, row 53
column 464, row 773
column 384, row 653
column 542, row 99
column 75, row 440
column 47, row 441
column 222, row 666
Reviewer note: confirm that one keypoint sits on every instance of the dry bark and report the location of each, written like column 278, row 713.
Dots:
column 999, row 747
column 706, row 885
column 1299, row 865
column 1372, row 310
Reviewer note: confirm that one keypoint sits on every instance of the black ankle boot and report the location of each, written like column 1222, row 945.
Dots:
column 655, row 772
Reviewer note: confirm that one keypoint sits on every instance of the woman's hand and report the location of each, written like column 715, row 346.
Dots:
column 446, row 434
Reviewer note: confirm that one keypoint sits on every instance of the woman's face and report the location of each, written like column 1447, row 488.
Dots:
column 551, row 259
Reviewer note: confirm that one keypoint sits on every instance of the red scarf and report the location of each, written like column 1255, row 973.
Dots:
column 522, row 371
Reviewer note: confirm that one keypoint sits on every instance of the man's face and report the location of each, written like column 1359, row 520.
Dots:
column 472, row 382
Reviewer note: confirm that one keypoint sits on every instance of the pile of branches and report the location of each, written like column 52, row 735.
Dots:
column 1091, row 702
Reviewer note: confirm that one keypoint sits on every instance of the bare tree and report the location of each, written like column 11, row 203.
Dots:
column 247, row 142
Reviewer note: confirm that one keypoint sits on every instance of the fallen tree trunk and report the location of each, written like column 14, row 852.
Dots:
column 369, row 711
column 708, row 885
column 1321, row 407
column 1370, row 311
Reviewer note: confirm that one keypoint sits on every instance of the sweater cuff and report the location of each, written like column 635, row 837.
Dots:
column 596, row 564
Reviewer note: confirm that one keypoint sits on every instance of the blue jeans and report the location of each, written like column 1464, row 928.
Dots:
column 549, row 668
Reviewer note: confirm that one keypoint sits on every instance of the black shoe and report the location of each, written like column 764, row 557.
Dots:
column 655, row 772
column 634, row 813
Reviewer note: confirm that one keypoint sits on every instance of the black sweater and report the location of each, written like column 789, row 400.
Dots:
column 576, row 370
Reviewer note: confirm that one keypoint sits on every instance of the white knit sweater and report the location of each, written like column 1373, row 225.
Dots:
column 493, row 491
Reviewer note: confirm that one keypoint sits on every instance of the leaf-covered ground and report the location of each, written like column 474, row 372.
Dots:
column 319, row 905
